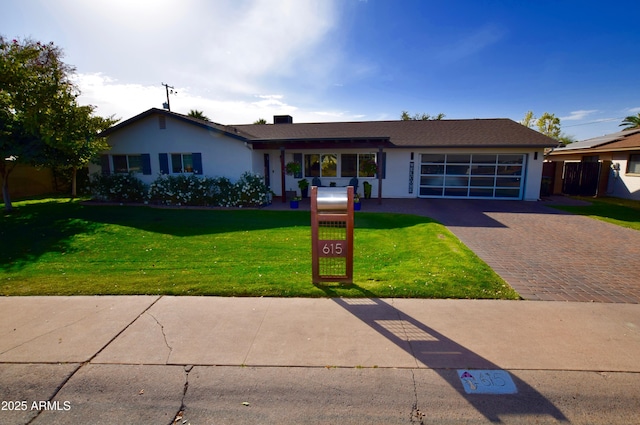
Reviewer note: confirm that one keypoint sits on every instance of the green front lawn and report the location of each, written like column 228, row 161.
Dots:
column 61, row 247
column 623, row 212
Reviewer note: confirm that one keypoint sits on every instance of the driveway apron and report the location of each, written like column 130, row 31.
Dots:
column 543, row 253
column 547, row 254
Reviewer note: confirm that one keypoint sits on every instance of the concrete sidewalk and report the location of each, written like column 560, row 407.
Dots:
column 152, row 360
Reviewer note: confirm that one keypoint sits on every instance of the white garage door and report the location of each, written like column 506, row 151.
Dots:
column 482, row 176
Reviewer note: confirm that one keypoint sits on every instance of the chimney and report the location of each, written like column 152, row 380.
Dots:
column 282, row 119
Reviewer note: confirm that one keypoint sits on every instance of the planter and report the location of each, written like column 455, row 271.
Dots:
column 367, row 190
column 357, row 206
column 294, row 204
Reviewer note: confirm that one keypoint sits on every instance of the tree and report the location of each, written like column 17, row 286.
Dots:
column 549, row 125
column 260, row 121
column 632, row 121
column 528, row 119
column 77, row 140
column 565, row 139
column 404, row 116
column 194, row 113
column 34, row 84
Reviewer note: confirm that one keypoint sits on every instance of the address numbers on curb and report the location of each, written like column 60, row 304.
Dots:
column 487, row 381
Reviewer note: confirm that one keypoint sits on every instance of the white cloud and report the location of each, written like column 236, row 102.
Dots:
column 237, row 60
column 578, row 115
column 634, row 110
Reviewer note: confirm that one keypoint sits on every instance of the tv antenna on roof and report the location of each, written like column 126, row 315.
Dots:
column 167, row 105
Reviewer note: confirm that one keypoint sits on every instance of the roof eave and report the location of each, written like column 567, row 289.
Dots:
column 198, row 123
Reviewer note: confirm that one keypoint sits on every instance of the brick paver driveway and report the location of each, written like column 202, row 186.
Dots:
column 543, row 253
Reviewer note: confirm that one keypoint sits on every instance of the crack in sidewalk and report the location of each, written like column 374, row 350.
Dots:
column 75, row 372
column 178, row 419
column 416, row 415
column 164, row 335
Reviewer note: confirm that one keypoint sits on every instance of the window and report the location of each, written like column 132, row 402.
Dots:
column 358, row 165
column 633, row 166
column 349, row 165
column 329, row 165
column 129, row 164
column 178, row 163
column 324, row 165
column 181, row 163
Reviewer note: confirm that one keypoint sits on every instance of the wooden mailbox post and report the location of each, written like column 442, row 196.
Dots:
column 332, row 234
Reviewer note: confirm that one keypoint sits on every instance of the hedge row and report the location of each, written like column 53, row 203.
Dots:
column 248, row 191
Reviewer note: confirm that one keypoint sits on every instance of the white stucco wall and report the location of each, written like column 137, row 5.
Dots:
column 623, row 184
column 397, row 182
column 221, row 155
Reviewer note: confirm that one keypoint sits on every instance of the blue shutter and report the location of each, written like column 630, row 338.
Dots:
column 164, row 163
column 104, row 162
column 146, row 164
column 197, row 163
column 384, row 165
column 297, row 157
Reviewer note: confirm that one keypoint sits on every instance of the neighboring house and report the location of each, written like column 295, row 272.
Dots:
column 477, row 158
column 603, row 166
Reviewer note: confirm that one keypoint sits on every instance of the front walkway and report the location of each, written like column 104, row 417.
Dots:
column 543, row 253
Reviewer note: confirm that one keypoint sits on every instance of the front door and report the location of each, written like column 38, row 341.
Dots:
column 267, row 171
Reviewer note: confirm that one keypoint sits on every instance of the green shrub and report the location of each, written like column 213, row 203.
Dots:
column 190, row 190
column 118, row 188
column 250, row 191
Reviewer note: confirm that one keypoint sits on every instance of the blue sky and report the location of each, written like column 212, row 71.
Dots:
column 348, row 60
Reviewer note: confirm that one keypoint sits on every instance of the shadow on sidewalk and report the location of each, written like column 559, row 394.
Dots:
column 444, row 355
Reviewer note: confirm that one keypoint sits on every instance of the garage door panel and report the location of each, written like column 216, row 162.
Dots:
column 472, row 175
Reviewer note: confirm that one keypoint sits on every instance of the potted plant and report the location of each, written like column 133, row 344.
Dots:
column 367, row 190
column 357, row 205
column 304, row 187
column 294, row 203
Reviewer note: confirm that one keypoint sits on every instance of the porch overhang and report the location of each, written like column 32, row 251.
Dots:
column 314, row 144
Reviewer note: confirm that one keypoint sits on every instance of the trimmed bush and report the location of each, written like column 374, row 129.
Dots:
column 118, row 188
column 248, row 191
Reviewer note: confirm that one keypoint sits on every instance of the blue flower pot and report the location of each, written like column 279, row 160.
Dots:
column 294, row 204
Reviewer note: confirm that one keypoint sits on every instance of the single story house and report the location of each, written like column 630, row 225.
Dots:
column 475, row 158
column 603, row 166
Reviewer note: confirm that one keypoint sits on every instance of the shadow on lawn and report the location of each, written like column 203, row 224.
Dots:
column 30, row 231
column 443, row 355
column 35, row 229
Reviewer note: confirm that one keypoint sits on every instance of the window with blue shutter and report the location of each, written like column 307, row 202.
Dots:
column 197, row 163
column 146, row 164
column 383, row 165
column 104, row 162
column 164, row 163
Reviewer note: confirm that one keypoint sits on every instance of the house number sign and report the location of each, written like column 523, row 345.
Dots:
column 332, row 248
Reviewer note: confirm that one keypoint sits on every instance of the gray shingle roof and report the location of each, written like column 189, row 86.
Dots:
column 490, row 133
column 498, row 132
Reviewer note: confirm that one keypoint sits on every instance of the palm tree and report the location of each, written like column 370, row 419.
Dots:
column 632, row 121
column 194, row 113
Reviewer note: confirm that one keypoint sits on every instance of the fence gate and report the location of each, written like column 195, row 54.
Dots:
column 581, row 178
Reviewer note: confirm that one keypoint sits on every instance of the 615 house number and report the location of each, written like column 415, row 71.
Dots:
column 332, row 248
